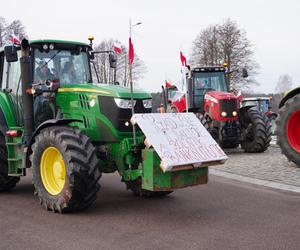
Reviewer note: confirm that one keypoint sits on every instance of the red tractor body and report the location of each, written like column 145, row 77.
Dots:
column 217, row 103
column 219, row 110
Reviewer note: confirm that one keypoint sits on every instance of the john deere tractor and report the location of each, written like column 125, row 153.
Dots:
column 69, row 130
column 288, row 126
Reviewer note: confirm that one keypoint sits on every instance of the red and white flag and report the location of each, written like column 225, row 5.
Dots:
column 117, row 48
column 167, row 84
column 239, row 96
column 14, row 40
column 130, row 52
column 183, row 59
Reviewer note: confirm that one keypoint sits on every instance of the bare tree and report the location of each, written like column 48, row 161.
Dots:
column 228, row 43
column 17, row 29
column 284, row 84
column 2, row 30
column 105, row 73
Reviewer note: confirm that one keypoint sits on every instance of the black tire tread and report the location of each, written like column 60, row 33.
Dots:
column 262, row 133
column 82, row 164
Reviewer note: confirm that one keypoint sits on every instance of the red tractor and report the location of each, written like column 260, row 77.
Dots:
column 219, row 110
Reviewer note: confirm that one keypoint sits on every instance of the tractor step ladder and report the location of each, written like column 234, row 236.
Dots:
column 14, row 146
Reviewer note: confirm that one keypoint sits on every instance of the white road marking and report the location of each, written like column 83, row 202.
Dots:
column 265, row 183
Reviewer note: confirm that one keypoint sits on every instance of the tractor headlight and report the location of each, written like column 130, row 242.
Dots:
column 234, row 113
column 147, row 103
column 124, row 103
column 223, row 114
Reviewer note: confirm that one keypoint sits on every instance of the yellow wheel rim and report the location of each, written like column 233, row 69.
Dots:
column 53, row 170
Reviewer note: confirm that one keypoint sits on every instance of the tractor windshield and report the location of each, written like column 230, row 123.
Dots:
column 61, row 65
column 204, row 81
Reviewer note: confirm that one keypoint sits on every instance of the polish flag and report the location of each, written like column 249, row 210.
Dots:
column 239, row 96
column 117, row 48
column 168, row 84
column 183, row 59
column 130, row 52
column 14, row 40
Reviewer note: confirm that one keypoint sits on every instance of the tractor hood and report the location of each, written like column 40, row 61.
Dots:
column 219, row 95
column 105, row 90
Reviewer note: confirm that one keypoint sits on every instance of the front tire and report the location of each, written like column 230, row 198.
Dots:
column 6, row 182
column 256, row 132
column 65, row 169
column 288, row 129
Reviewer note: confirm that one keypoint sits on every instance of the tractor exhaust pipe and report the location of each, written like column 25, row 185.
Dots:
column 26, row 79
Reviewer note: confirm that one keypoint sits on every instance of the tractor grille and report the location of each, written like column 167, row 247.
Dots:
column 228, row 106
column 118, row 116
column 84, row 101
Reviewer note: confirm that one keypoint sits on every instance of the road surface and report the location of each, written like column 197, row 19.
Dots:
column 224, row 214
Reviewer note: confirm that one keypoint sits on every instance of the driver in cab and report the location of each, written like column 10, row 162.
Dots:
column 43, row 73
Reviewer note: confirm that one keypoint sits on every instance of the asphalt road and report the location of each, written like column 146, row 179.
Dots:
column 224, row 214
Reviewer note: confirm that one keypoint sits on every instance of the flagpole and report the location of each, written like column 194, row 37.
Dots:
column 131, row 85
column 186, row 90
column 184, row 66
column 130, row 61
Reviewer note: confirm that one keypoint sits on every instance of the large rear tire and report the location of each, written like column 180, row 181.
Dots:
column 65, row 169
column 288, row 129
column 256, row 131
column 6, row 182
column 136, row 187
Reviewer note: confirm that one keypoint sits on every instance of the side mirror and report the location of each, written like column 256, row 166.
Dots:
column 112, row 60
column 244, row 73
column 11, row 54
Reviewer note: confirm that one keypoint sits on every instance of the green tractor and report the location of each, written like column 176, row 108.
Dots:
column 69, row 130
column 288, row 126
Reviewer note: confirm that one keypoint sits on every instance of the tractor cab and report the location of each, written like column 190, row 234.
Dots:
column 60, row 62
column 202, row 81
column 261, row 104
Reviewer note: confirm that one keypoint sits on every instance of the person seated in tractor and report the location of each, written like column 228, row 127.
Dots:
column 68, row 74
column 43, row 106
column 43, row 73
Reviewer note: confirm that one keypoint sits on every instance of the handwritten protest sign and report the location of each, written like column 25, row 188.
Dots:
column 179, row 139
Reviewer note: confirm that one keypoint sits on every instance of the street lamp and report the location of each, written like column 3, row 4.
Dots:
column 130, row 61
column 130, row 64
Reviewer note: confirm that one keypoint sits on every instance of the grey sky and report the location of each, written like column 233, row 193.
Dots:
column 168, row 26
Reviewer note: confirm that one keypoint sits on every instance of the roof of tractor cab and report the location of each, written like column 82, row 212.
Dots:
column 209, row 69
column 57, row 41
column 53, row 41
column 256, row 99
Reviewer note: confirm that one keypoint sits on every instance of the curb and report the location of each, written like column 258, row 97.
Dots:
column 264, row 183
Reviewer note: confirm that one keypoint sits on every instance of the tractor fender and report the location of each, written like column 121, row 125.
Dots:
column 289, row 95
column 245, row 109
column 3, row 123
column 7, row 116
column 46, row 124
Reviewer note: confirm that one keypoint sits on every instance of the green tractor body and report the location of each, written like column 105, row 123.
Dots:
column 69, row 130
